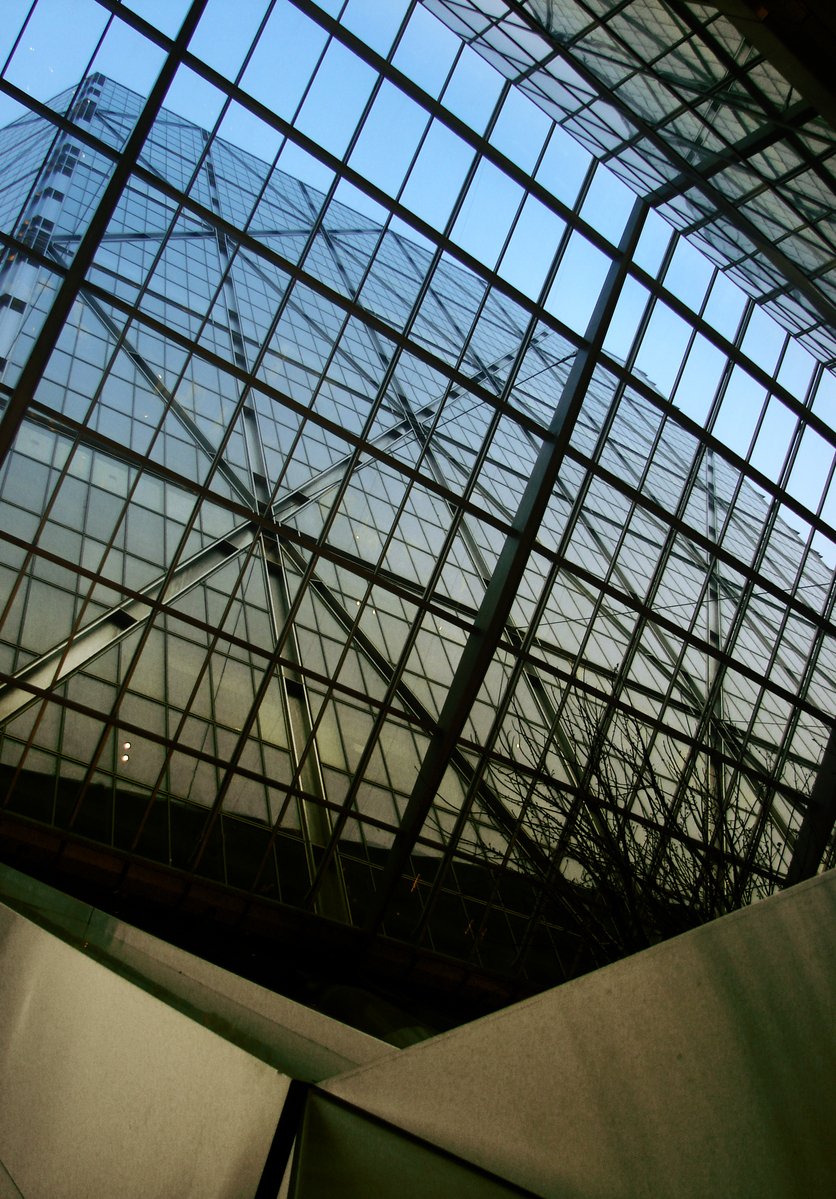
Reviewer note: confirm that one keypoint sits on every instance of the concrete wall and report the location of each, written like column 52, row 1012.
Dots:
column 106, row 1091
column 295, row 1039
column 703, row 1066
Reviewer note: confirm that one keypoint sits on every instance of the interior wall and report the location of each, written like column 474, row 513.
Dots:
column 703, row 1066
column 106, row 1090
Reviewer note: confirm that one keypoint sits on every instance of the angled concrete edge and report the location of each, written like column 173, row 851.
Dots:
column 704, row 1065
column 300, row 1042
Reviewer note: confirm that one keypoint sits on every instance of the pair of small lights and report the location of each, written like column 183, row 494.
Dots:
column 126, row 745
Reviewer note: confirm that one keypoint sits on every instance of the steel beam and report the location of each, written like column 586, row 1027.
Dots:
column 76, row 652
column 66, row 295
column 818, row 821
column 797, row 279
column 495, row 609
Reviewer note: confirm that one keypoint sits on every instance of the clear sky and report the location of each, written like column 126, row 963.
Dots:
column 67, row 38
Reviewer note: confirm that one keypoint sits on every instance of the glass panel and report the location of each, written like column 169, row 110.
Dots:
column 337, row 566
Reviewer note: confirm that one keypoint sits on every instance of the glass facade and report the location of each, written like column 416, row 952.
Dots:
column 685, row 110
column 417, row 506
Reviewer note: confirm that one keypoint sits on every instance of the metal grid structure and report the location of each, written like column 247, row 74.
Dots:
column 689, row 114
column 432, row 540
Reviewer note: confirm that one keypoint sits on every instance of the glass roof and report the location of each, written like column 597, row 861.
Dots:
column 414, row 512
column 688, row 114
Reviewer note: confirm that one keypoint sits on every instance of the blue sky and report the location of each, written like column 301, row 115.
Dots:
column 67, row 38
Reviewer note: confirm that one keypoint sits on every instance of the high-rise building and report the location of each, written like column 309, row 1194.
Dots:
column 417, row 525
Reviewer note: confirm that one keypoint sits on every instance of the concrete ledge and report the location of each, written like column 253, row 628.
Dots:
column 703, row 1066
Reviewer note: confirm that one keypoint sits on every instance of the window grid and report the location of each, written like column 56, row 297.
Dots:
column 278, row 449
